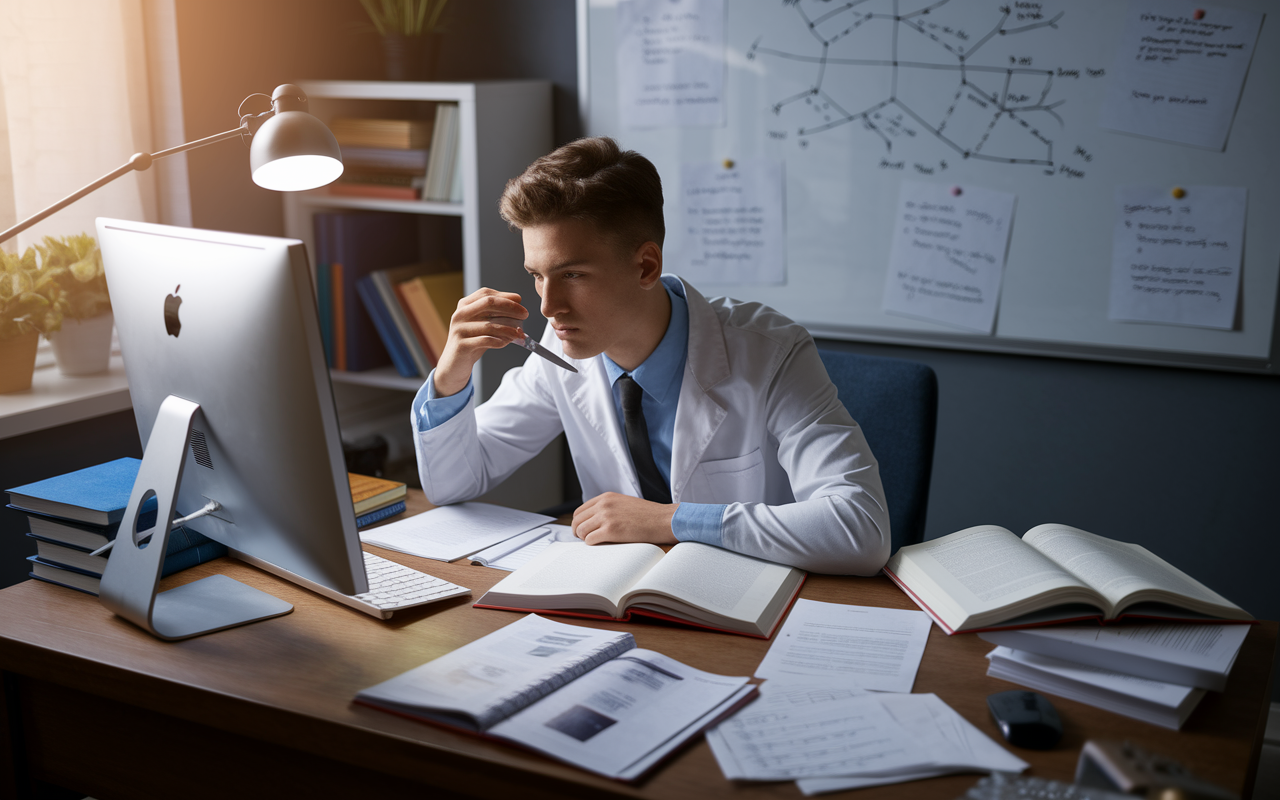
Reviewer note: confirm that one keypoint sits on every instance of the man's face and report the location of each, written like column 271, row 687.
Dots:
column 590, row 288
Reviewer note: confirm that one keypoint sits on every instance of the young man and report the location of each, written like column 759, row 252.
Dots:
column 688, row 420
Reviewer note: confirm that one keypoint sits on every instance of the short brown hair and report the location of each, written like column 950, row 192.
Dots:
column 594, row 181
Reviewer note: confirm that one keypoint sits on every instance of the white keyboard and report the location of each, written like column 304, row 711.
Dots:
column 392, row 587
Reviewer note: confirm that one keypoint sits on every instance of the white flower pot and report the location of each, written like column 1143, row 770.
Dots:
column 83, row 347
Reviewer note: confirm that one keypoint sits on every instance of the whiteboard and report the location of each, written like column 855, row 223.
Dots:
column 842, row 183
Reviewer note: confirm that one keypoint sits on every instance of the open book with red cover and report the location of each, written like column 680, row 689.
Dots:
column 986, row 578
column 694, row 584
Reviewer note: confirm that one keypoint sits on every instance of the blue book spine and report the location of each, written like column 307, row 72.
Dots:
column 379, row 514
column 386, row 328
column 324, row 282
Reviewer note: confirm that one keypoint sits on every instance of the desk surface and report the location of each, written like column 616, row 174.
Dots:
column 97, row 697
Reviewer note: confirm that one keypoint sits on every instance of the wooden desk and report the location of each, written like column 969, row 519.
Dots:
column 98, row 706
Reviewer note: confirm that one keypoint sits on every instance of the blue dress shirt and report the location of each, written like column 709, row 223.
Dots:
column 660, row 376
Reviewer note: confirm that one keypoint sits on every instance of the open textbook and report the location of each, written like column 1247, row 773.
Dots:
column 986, row 578
column 587, row 697
column 694, row 583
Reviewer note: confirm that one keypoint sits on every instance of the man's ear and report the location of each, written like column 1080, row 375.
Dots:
column 648, row 259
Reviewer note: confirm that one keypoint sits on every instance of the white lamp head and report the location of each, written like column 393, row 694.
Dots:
column 293, row 151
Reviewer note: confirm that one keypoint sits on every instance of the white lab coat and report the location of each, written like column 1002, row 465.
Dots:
column 758, row 427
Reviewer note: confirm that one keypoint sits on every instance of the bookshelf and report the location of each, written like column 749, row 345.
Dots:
column 502, row 127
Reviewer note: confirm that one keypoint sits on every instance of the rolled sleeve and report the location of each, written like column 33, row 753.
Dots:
column 431, row 411
column 698, row 522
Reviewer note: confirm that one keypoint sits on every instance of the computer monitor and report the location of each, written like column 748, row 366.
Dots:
column 227, row 323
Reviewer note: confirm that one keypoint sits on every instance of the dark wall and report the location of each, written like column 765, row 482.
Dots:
column 234, row 48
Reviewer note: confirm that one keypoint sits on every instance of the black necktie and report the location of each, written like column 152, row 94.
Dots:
column 652, row 485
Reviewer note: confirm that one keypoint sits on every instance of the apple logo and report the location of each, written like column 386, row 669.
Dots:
column 171, row 303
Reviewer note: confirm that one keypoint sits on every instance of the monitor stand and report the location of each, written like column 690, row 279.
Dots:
column 132, row 575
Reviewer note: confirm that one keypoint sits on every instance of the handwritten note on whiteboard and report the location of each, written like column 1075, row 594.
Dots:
column 671, row 63
column 1177, row 260
column 732, row 218
column 1179, row 77
column 948, row 254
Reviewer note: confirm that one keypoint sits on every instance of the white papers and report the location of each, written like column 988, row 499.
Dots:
column 949, row 247
column 951, row 742
column 1177, row 261
column 671, row 63
column 621, row 712
column 874, row 648
column 1179, row 78
column 520, row 550
column 806, row 732
column 497, row 674
column 733, row 223
column 451, row 532
column 832, row 736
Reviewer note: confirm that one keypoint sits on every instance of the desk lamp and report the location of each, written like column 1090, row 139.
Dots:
column 291, row 151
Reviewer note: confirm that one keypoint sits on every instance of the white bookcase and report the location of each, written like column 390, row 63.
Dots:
column 503, row 126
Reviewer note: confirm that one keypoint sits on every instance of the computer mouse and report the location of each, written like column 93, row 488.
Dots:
column 1026, row 719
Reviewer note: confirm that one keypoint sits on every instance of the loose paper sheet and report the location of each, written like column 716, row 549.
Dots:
column 671, row 63
column 1177, row 261
column 811, row 731
column 948, row 254
column 733, row 223
column 451, row 532
column 1179, row 78
column 520, row 550
column 951, row 740
column 874, row 648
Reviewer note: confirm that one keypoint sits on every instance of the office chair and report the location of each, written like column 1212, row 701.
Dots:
column 896, row 403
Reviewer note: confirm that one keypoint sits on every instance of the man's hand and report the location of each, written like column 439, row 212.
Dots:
column 613, row 517
column 472, row 332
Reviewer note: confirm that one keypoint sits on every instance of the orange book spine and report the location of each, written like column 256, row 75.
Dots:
column 339, row 318
column 402, row 294
column 424, row 315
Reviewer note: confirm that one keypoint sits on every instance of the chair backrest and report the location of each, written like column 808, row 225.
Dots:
column 896, row 403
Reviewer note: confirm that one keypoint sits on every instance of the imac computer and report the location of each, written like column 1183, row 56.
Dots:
column 230, row 387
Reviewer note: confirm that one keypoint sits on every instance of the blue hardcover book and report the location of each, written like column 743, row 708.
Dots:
column 363, row 242
column 94, row 495
column 88, row 580
column 186, row 548
column 385, row 327
column 80, row 534
column 379, row 514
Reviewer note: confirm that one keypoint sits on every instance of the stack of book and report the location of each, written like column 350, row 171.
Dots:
column 400, row 159
column 1157, row 673
column 404, row 305
column 987, row 579
column 73, row 515
column 382, row 158
column 375, row 499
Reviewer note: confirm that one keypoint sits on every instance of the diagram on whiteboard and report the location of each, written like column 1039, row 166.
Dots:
column 964, row 73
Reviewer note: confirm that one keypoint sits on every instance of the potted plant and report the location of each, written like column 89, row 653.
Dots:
column 82, row 346
column 31, row 303
column 410, row 31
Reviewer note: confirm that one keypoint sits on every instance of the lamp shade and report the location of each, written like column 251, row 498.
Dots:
column 293, row 151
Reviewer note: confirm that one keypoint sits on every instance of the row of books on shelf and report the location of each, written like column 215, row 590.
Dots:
column 75, row 514
column 378, row 303
column 400, row 159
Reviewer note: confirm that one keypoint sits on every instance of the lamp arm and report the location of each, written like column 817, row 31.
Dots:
column 139, row 162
